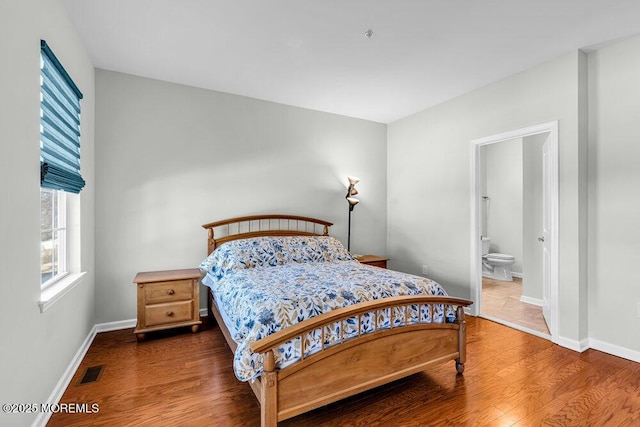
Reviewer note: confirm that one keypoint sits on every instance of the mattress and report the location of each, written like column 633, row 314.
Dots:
column 260, row 288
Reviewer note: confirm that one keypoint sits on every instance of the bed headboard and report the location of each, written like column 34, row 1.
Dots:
column 245, row 227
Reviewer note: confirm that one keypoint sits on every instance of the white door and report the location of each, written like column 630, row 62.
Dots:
column 545, row 239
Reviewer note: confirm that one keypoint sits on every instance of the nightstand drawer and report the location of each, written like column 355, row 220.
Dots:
column 163, row 314
column 160, row 292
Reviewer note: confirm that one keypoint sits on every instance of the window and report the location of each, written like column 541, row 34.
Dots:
column 59, row 167
column 59, row 126
column 53, row 236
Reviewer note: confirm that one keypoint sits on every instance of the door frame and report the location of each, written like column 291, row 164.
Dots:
column 475, row 234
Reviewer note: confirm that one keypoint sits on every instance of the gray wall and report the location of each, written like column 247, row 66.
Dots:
column 503, row 210
column 429, row 182
column 614, row 195
column 171, row 158
column 37, row 347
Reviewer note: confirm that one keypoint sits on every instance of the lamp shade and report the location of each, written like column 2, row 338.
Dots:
column 353, row 180
column 353, row 201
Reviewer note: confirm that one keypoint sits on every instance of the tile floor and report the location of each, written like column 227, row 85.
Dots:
column 501, row 299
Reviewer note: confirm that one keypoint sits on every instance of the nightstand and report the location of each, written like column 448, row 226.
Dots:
column 168, row 299
column 376, row 261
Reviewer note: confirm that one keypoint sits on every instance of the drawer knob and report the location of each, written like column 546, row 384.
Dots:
column 169, row 313
column 171, row 292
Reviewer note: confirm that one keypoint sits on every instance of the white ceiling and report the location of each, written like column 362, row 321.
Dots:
column 314, row 54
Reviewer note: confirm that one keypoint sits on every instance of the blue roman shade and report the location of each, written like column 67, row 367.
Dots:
column 59, row 126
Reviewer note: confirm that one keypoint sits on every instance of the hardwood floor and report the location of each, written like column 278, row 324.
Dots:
column 511, row 378
column 501, row 300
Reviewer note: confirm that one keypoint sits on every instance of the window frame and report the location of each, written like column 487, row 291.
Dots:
column 59, row 226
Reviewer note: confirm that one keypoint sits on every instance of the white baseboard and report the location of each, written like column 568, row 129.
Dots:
column 532, row 301
column 43, row 417
column 488, row 275
column 615, row 350
column 126, row 324
column 579, row 346
column 115, row 326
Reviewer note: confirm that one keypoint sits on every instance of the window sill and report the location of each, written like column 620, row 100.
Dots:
column 56, row 291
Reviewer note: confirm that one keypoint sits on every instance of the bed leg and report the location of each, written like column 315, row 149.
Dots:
column 269, row 395
column 462, row 340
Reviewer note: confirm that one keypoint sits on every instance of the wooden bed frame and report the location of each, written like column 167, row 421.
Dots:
column 373, row 359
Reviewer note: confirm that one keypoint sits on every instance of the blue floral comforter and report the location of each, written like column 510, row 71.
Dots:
column 263, row 285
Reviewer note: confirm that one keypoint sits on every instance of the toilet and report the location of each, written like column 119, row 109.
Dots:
column 495, row 265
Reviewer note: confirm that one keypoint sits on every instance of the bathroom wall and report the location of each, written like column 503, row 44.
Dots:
column 503, row 209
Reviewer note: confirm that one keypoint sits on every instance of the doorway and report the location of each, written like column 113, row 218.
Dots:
column 543, row 240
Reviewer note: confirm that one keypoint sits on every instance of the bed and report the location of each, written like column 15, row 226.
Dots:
column 296, row 309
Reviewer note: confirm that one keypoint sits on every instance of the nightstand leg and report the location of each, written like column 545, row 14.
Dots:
column 140, row 337
column 195, row 328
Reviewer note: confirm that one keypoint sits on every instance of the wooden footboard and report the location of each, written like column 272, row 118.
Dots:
column 359, row 363
column 354, row 363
